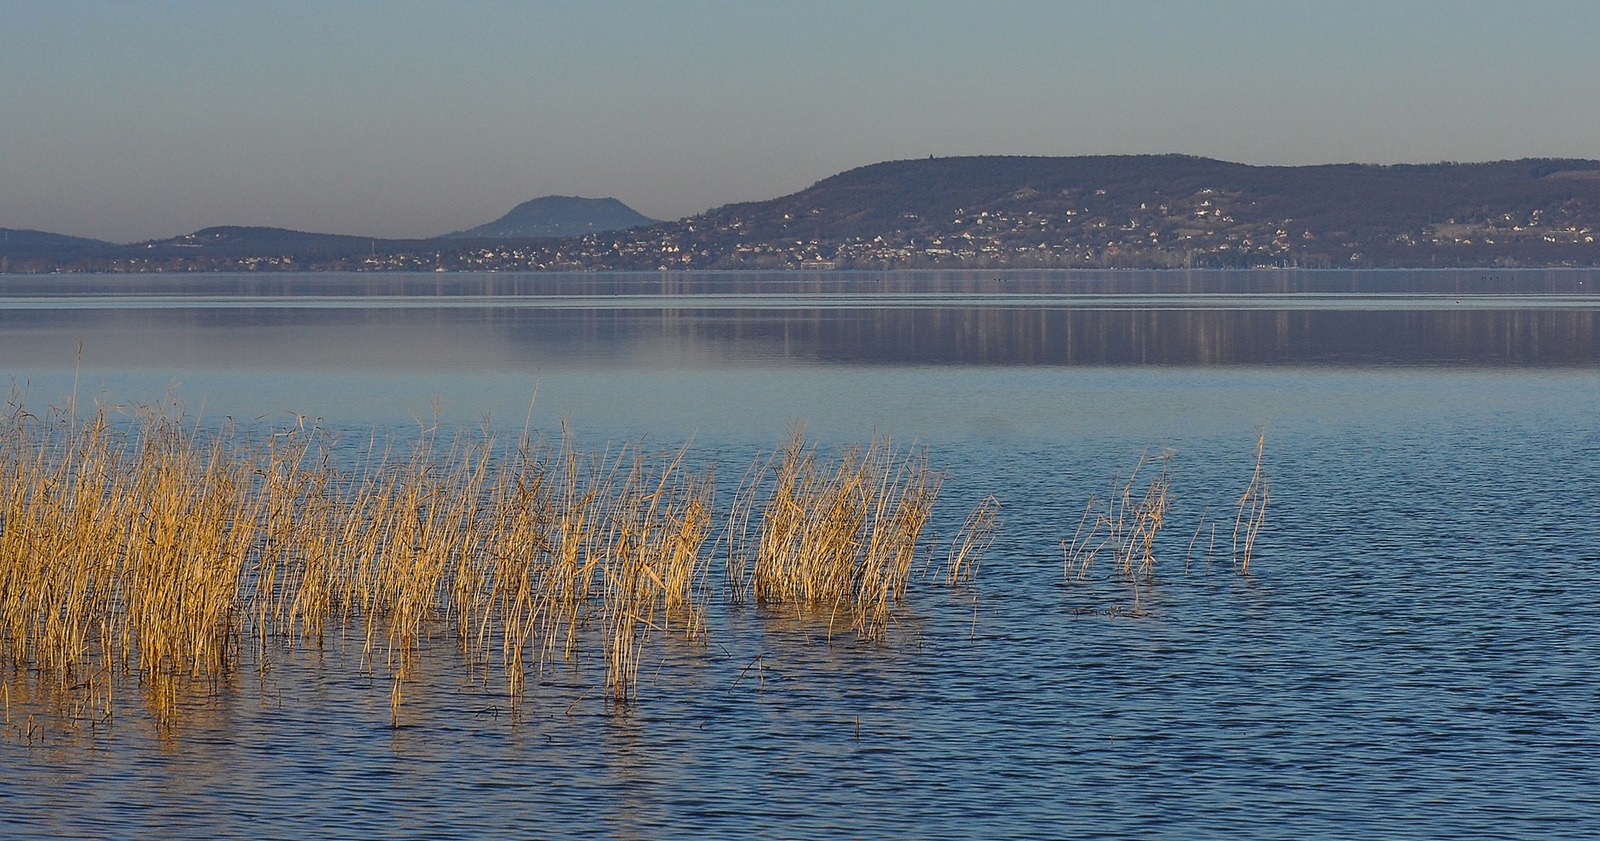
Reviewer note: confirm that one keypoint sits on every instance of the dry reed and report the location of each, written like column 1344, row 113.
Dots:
column 151, row 549
column 1126, row 526
column 838, row 534
column 1252, row 510
column 972, row 542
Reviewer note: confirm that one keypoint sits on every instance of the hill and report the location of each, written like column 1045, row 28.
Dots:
column 560, row 216
column 25, row 244
column 1150, row 211
column 1172, row 210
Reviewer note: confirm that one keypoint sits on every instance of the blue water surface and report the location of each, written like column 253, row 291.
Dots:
column 1411, row 654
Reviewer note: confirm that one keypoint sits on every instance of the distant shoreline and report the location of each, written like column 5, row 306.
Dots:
column 982, row 214
column 774, row 272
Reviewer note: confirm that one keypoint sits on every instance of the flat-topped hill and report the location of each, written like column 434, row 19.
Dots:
column 560, row 216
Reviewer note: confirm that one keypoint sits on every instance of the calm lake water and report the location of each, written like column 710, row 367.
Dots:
column 1412, row 654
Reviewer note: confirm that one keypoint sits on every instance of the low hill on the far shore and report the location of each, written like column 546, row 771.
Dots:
column 24, row 244
column 1134, row 211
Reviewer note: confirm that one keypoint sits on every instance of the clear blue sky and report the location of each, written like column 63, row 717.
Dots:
column 133, row 119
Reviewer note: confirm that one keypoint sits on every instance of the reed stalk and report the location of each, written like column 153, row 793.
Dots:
column 972, row 543
column 1252, row 510
column 1125, row 524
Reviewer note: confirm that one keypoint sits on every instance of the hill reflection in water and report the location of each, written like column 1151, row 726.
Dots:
column 1073, row 337
column 518, row 322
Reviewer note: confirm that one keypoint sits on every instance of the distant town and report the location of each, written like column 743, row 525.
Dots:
column 971, row 213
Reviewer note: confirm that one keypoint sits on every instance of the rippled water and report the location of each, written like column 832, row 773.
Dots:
column 1412, row 654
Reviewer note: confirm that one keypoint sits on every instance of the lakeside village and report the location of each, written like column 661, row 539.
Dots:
column 1210, row 228
column 1204, row 232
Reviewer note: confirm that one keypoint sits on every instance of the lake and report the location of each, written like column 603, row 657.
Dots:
column 1410, row 654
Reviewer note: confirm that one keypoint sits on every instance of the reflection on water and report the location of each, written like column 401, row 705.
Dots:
column 1064, row 336
column 417, row 323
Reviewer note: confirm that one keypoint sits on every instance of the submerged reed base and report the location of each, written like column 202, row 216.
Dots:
column 152, row 551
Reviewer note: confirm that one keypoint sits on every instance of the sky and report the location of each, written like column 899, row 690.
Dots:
column 137, row 119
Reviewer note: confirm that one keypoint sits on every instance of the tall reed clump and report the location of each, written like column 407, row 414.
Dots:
column 119, row 549
column 147, row 547
column 519, row 551
column 191, row 522
column 1252, row 510
column 60, row 516
column 153, row 549
column 839, row 534
column 1125, row 525
column 651, row 561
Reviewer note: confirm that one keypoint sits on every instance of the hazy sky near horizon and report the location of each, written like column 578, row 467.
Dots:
column 137, row 119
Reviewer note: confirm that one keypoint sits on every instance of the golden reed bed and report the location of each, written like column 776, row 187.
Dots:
column 155, row 548
column 158, row 548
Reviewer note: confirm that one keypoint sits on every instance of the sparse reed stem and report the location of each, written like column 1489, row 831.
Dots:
column 1252, row 510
